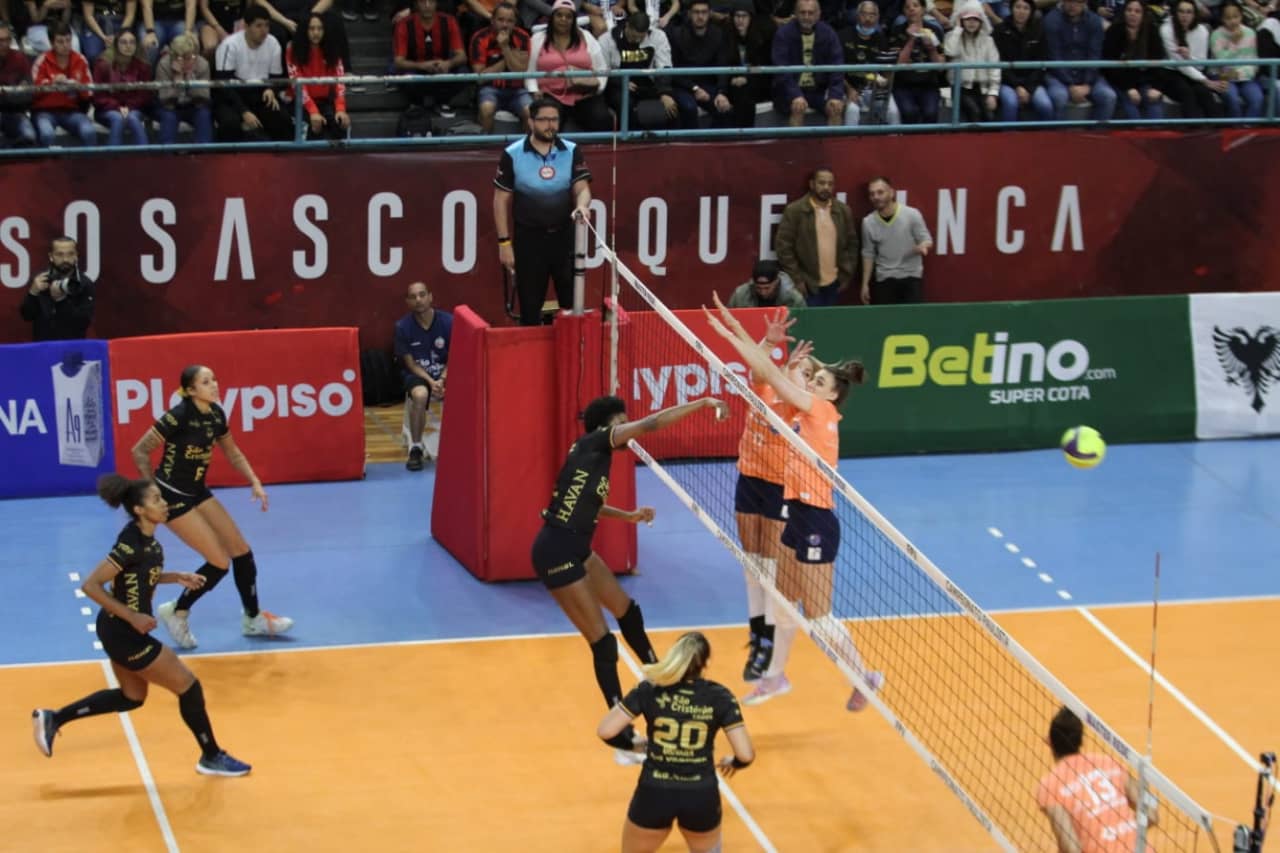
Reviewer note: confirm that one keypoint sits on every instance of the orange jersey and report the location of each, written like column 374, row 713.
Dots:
column 1091, row 788
column 761, row 450
column 820, row 429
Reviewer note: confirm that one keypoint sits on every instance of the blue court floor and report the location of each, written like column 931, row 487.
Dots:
column 354, row 562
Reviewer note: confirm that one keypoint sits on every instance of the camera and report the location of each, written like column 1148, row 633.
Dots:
column 69, row 281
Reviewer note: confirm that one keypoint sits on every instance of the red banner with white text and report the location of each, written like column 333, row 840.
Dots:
column 264, row 241
column 658, row 369
column 292, row 398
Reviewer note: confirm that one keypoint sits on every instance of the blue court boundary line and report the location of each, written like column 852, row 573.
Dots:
column 437, row 641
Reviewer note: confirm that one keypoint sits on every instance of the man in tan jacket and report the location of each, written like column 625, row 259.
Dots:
column 817, row 241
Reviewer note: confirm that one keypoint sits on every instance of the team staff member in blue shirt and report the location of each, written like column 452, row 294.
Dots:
column 544, row 180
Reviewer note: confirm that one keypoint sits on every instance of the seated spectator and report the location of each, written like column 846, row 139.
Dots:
column 940, row 12
column 662, row 12
column 1233, row 40
column 970, row 42
column 917, row 39
column 1021, row 39
column 604, row 16
column 473, row 16
column 422, row 340
column 182, row 64
column 15, row 125
column 218, row 19
column 769, row 286
column 1184, row 37
column 1139, row 92
column 121, row 109
column 162, row 21
column 501, row 47
column 252, row 56
column 1073, row 33
column 751, row 46
column 793, row 94
column 315, row 53
column 634, row 45
column 429, row 42
column 564, row 46
column 68, row 107
column 101, row 22
column 1269, row 42
column 865, row 43
column 41, row 14
column 697, row 44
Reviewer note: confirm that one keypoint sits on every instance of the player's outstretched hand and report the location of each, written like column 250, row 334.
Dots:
column 776, row 326
column 721, row 407
column 643, row 513
column 260, row 495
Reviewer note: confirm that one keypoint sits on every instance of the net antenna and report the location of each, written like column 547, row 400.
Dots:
column 963, row 694
column 614, row 379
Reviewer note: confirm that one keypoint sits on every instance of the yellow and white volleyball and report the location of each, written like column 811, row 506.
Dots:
column 1083, row 446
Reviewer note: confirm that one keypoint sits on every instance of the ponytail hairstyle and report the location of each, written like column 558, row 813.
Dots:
column 684, row 662
column 117, row 491
column 846, row 373
column 188, row 378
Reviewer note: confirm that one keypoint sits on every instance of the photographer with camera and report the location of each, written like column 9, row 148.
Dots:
column 59, row 302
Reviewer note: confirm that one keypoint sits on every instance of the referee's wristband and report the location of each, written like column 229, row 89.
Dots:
column 504, row 241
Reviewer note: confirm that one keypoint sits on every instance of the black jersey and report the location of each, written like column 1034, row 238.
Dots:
column 682, row 723
column 188, row 435
column 141, row 560
column 583, row 484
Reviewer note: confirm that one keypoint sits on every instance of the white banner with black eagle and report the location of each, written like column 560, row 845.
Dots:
column 1235, row 340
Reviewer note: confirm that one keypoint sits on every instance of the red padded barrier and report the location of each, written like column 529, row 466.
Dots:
column 503, row 439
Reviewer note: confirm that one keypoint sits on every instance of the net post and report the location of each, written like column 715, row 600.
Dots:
column 579, row 267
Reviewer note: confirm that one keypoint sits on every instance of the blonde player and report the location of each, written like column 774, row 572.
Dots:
column 1089, row 798
column 811, row 535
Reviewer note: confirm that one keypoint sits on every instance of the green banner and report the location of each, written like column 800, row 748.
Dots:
column 1010, row 375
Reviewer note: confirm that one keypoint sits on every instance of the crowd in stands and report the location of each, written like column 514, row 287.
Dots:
column 266, row 43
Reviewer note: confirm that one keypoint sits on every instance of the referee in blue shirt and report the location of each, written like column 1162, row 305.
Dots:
column 551, row 187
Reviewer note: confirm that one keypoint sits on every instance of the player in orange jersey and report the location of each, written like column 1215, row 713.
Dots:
column 1089, row 798
column 811, row 537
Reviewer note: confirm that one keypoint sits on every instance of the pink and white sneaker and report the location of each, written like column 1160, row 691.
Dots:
column 857, row 699
column 767, row 688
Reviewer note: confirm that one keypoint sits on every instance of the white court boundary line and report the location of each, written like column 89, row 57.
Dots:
column 144, row 770
column 1195, row 710
column 549, row 635
column 725, row 790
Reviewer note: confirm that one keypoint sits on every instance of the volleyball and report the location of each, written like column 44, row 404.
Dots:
column 1083, row 446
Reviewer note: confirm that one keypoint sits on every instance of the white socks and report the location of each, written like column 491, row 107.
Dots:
column 784, row 634
column 835, row 635
column 755, row 589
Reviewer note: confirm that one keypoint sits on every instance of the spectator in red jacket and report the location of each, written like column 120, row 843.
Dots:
column 428, row 41
column 120, row 109
column 316, row 52
column 65, row 108
column 502, row 46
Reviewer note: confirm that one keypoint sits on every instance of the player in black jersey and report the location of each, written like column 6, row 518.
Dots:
column 188, row 432
column 578, row 579
column 682, row 711
column 134, row 567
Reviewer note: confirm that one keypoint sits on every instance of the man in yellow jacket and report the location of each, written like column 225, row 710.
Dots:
column 817, row 241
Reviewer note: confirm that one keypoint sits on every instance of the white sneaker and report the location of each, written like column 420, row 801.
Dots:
column 857, row 699
column 175, row 622
column 265, row 624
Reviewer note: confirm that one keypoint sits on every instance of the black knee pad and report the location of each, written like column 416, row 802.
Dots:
column 605, row 650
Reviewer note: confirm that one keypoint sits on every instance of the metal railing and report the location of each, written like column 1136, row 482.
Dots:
column 1268, row 68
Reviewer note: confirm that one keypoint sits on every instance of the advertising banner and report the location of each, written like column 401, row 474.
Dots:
column 266, row 240
column 55, row 435
column 1236, row 343
column 658, row 369
column 1003, row 376
column 292, row 398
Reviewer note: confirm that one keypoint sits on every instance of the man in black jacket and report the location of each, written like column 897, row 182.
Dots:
column 59, row 302
column 697, row 44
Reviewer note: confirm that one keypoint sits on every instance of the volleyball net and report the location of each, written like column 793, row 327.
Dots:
column 968, row 699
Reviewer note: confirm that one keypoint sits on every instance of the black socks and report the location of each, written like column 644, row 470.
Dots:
column 191, row 705
column 212, row 574
column 631, row 624
column 246, row 573
column 102, row 702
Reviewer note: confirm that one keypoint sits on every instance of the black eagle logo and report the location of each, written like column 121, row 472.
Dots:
column 1250, row 361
